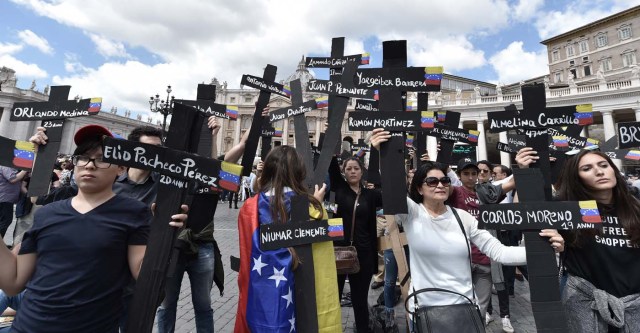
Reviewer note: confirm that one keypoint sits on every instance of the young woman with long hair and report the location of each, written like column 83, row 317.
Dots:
column 602, row 292
column 266, row 280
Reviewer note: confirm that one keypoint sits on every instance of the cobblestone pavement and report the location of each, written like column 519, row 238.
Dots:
column 226, row 234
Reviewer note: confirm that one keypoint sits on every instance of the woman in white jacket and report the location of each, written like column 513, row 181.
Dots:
column 438, row 248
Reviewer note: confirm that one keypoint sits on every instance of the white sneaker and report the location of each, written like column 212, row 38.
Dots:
column 487, row 318
column 506, row 325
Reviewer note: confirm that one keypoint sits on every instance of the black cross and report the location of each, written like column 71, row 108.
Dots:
column 305, row 290
column 52, row 113
column 266, row 86
column 337, row 109
column 543, row 273
column 301, row 131
column 171, row 194
column 392, row 81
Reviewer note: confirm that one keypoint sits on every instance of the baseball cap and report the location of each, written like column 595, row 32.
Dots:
column 90, row 132
column 465, row 163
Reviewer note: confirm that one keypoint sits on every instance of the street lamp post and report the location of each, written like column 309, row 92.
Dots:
column 164, row 107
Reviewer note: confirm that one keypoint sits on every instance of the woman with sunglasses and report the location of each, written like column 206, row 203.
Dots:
column 437, row 246
column 602, row 292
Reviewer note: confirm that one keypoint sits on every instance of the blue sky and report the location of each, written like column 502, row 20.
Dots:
column 126, row 51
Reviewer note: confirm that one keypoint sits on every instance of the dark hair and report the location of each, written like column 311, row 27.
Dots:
column 144, row 131
column 360, row 163
column 505, row 169
column 282, row 168
column 485, row 162
column 571, row 188
column 420, row 175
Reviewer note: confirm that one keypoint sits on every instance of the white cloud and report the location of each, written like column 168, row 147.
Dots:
column 25, row 71
column 526, row 9
column 8, row 59
column 10, row 48
column 193, row 40
column 72, row 63
column 578, row 13
column 514, row 63
column 454, row 54
column 28, row 37
column 108, row 48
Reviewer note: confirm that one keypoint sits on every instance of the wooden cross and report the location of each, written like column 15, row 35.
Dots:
column 268, row 132
column 391, row 81
column 610, row 148
column 176, row 167
column 360, row 148
column 534, row 120
column 415, row 122
column 451, row 119
column 52, row 113
column 421, row 137
column 300, row 233
column 339, row 88
column 368, row 105
column 629, row 135
column 205, row 103
column 534, row 213
column 259, row 123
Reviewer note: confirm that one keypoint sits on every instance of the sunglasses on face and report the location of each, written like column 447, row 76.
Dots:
column 484, row 171
column 434, row 181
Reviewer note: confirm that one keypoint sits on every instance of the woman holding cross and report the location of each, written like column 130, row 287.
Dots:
column 439, row 239
column 266, row 283
column 357, row 207
column 602, row 293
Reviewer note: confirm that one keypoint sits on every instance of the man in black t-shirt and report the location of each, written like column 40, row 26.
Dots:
column 76, row 259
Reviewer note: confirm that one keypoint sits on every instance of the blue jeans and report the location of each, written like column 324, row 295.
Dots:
column 390, row 277
column 200, row 272
column 9, row 302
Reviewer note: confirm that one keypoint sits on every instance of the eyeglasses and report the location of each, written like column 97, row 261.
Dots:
column 83, row 161
column 484, row 171
column 434, row 181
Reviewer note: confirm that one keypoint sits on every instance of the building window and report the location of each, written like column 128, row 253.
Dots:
column 570, row 51
column 574, row 73
column 555, row 55
column 605, row 64
column 628, row 58
column 624, row 32
column 584, row 46
column 601, row 40
column 246, row 122
column 247, row 99
column 557, row 77
column 587, row 70
column 311, row 123
column 232, row 100
column 572, row 63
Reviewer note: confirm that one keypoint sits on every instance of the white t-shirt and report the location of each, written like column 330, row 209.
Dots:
column 439, row 257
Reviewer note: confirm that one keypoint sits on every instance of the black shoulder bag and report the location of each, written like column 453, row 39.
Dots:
column 458, row 318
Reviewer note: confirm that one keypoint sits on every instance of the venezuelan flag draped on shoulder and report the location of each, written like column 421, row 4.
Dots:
column 266, row 282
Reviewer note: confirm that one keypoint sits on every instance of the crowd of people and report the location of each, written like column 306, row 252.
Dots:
column 78, row 250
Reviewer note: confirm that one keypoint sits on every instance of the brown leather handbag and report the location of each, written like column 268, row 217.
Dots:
column 347, row 256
